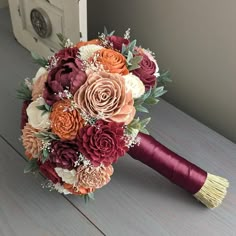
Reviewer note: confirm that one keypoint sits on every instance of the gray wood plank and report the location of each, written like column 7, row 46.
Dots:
column 28, row 209
column 138, row 201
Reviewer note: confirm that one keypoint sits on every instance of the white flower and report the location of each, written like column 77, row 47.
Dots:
column 87, row 51
column 68, row 176
column 134, row 84
column 61, row 189
column 40, row 72
column 36, row 118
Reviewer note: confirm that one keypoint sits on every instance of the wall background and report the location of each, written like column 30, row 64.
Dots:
column 195, row 40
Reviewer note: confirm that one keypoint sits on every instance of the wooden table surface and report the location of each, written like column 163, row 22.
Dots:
column 137, row 201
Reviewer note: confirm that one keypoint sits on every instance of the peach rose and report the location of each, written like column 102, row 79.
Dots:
column 38, row 86
column 104, row 96
column 31, row 143
column 94, row 177
column 77, row 190
column 65, row 120
column 93, row 41
column 112, row 61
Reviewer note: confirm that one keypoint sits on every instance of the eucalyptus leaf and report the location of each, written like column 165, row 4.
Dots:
column 39, row 60
column 142, row 109
column 31, row 166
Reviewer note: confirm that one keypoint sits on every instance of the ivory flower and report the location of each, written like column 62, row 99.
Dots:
column 68, row 176
column 135, row 85
column 88, row 51
column 36, row 118
column 39, row 73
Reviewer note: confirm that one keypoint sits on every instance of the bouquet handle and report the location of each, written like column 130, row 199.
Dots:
column 207, row 188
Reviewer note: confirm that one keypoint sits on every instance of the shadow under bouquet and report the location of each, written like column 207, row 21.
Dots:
column 80, row 115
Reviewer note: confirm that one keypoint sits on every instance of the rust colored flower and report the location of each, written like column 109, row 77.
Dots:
column 104, row 95
column 77, row 190
column 38, row 86
column 112, row 61
column 65, row 120
column 94, row 177
column 31, row 143
column 93, row 41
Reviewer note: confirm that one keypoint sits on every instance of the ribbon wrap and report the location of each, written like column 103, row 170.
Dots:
column 172, row 166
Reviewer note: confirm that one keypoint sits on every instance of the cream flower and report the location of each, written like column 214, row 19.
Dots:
column 36, row 118
column 61, row 189
column 88, row 51
column 135, row 85
column 68, row 176
column 39, row 73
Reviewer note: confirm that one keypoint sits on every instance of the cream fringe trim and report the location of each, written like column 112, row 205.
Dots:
column 213, row 191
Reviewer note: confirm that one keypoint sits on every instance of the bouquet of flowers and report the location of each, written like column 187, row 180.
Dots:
column 80, row 115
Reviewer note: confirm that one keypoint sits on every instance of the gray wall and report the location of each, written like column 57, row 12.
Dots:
column 195, row 40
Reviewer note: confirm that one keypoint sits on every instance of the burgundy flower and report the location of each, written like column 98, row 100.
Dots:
column 146, row 72
column 65, row 53
column 117, row 42
column 102, row 143
column 68, row 74
column 64, row 154
column 47, row 169
column 24, row 117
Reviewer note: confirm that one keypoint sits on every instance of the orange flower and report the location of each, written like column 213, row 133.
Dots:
column 77, row 190
column 112, row 61
column 93, row 41
column 31, row 143
column 65, row 120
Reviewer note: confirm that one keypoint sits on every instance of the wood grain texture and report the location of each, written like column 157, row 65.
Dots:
column 141, row 202
column 137, row 201
column 28, row 209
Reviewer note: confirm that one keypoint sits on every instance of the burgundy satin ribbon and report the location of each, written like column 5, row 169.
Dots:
column 174, row 167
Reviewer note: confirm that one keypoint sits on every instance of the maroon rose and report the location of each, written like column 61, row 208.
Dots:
column 47, row 169
column 102, row 143
column 146, row 72
column 118, row 41
column 65, row 53
column 64, row 154
column 68, row 74
column 24, row 117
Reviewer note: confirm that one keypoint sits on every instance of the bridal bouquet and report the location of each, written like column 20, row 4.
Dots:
column 80, row 115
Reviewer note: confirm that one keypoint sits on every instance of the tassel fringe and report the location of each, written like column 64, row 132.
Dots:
column 213, row 191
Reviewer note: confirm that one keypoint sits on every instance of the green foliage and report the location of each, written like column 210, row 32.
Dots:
column 45, row 155
column 24, row 92
column 45, row 108
column 164, row 77
column 31, row 166
column 88, row 197
column 138, row 124
column 62, row 40
column 46, row 136
column 149, row 98
column 39, row 60
column 105, row 32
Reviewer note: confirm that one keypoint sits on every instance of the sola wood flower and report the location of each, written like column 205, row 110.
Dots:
column 38, row 86
column 65, row 120
column 112, row 61
column 77, row 190
column 94, row 177
column 31, row 143
column 102, row 143
column 104, row 94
